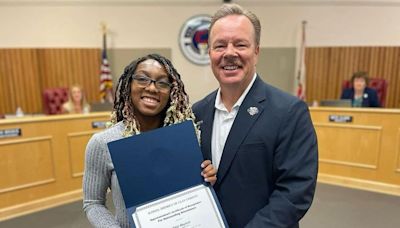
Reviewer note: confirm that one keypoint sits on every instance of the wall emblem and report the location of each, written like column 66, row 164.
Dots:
column 193, row 39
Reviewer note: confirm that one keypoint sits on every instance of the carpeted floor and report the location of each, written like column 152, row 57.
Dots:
column 333, row 207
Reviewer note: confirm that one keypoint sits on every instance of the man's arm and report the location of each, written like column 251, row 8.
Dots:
column 295, row 171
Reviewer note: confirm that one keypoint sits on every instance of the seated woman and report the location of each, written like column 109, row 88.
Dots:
column 76, row 101
column 359, row 93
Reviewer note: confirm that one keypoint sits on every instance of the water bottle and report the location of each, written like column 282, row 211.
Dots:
column 19, row 112
column 86, row 110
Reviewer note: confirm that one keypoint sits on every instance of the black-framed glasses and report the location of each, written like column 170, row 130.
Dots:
column 145, row 81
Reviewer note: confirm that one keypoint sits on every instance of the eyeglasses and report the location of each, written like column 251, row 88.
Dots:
column 145, row 81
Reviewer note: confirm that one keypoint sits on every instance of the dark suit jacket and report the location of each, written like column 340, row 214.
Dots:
column 268, row 170
column 370, row 97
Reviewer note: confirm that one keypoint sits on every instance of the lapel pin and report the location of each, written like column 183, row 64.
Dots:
column 252, row 111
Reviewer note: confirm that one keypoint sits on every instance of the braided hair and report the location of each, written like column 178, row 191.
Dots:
column 178, row 109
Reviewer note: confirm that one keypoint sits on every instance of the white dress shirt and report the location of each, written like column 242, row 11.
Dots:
column 223, row 121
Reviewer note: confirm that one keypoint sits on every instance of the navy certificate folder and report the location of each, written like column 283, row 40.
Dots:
column 157, row 163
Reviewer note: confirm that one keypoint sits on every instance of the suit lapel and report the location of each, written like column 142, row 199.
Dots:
column 206, row 128
column 244, row 121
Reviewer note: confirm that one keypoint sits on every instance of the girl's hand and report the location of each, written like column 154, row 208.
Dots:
column 209, row 172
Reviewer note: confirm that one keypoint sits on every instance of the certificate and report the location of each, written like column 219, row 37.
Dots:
column 194, row 207
column 159, row 175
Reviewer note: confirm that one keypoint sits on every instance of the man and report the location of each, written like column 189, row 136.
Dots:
column 260, row 139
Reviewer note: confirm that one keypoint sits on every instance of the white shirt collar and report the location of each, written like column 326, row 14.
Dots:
column 218, row 102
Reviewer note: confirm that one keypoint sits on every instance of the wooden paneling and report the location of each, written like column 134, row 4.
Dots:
column 19, row 80
column 26, row 163
column 363, row 153
column 76, row 147
column 65, row 67
column 359, row 145
column 398, row 151
column 328, row 67
column 25, row 73
column 43, row 166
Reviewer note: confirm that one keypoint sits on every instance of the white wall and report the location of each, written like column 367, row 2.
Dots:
column 156, row 24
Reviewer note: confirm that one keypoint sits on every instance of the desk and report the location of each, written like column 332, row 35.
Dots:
column 42, row 160
column 43, row 167
column 363, row 153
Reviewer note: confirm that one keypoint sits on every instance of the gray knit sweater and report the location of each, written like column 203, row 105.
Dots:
column 100, row 176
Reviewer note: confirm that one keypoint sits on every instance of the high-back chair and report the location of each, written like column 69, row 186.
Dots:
column 53, row 99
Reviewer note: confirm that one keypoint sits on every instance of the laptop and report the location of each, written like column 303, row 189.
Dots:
column 101, row 107
column 336, row 103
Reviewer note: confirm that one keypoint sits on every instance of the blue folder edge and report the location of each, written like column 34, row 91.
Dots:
column 142, row 164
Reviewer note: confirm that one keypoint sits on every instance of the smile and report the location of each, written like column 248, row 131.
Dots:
column 150, row 100
column 230, row 67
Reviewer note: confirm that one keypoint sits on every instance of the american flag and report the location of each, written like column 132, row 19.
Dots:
column 106, row 83
column 301, row 70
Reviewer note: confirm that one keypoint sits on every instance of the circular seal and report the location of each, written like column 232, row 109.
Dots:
column 193, row 39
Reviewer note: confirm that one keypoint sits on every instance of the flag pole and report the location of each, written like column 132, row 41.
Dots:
column 106, row 90
column 301, row 87
column 104, row 32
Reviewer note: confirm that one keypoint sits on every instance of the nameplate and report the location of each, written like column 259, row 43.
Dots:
column 13, row 132
column 340, row 119
column 99, row 124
